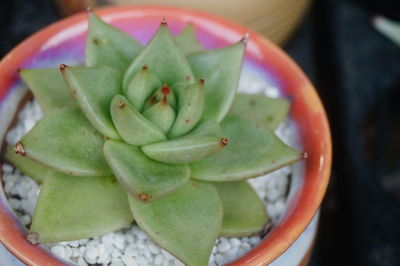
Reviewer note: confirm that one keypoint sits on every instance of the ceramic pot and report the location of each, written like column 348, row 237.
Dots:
column 63, row 42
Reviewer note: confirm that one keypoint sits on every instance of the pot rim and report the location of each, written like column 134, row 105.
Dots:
column 307, row 108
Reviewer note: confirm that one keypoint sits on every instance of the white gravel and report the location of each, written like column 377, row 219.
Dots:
column 130, row 246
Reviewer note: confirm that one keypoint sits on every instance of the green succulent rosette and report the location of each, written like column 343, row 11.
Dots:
column 153, row 134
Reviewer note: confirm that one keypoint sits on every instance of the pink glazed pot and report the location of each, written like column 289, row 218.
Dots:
column 64, row 41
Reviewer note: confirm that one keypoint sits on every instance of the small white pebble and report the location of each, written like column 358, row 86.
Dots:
column 75, row 252
column 254, row 240
column 235, row 242
column 14, row 203
column 246, row 246
column 219, row 259
column 74, row 244
column 58, row 250
column 81, row 262
column 224, row 246
column 129, row 260
column 108, row 239
column 101, row 249
column 241, row 252
column 7, row 169
column 118, row 263
column 142, row 261
column 82, row 249
column 68, row 252
column 154, row 249
column 158, row 259
column 91, row 254
column 119, row 240
column 104, row 258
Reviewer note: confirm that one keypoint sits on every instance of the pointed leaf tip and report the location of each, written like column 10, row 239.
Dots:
column 121, row 104
column 224, row 141
column 187, row 39
column 165, row 58
column 48, row 88
column 63, row 67
column 19, row 149
column 245, row 38
column 33, row 238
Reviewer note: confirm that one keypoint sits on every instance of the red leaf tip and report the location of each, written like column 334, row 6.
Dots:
column 143, row 196
column 19, row 149
column 224, row 141
column 121, row 104
column 165, row 89
column 33, row 238
column 245, row 38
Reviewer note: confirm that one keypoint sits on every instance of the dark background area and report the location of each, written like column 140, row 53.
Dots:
column 356, row 71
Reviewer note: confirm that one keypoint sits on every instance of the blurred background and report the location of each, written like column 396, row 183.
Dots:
column 356, row 70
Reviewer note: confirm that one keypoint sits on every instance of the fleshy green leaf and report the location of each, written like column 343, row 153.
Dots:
column 186, row 223
column 48, row 87
column 93, row 88
column 72, row 208
column 164, row 57
column 143, row 84
column 252, row 151
column 187, row 40
column 29, row 167
column 109, row 46
column 133, row 127
column 244, row 213
column 190, row 110
column 261, row 110
column 64, row 140
column 185, row 149
column 221, row 70
column 206, row 128
column 161, row 114
column 142, row 177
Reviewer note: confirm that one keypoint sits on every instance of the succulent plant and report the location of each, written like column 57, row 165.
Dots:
column 153, row 134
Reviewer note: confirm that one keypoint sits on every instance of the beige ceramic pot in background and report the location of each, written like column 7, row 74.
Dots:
column 276, row 19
